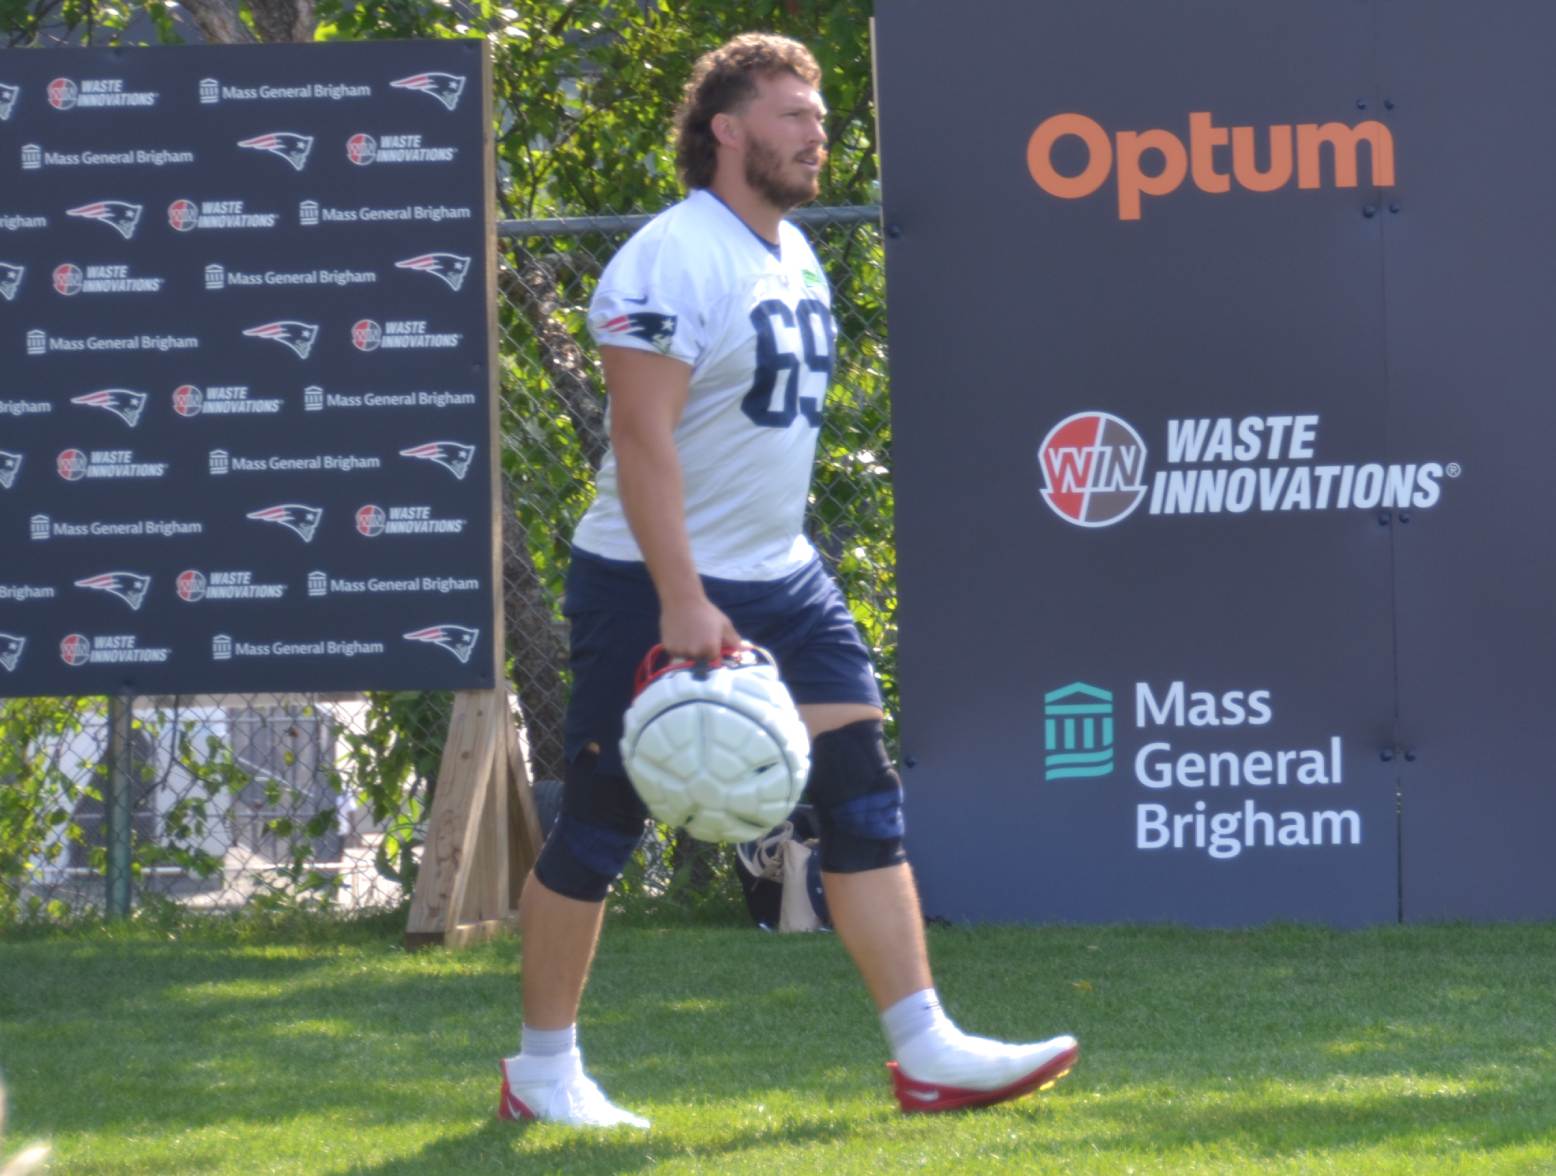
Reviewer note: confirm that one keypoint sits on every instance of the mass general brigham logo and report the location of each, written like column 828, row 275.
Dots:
column 1077, row 732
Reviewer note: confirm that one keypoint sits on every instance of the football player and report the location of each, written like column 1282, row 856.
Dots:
column 716, row 333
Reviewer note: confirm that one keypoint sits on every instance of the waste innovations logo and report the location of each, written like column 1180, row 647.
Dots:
column 65, row 94
column 1094, row 470
column 77, row 649
column 70, row 279
column 364, row 149
column 1077, row 732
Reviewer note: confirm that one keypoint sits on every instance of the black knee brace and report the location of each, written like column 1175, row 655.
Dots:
column 600, row 825
column 858, row 799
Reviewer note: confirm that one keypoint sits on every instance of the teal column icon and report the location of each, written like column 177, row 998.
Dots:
column 1077, row 732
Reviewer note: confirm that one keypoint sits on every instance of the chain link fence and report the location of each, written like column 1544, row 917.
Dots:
column 253, row 801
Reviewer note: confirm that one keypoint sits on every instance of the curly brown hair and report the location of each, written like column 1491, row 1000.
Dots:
column 724, row 80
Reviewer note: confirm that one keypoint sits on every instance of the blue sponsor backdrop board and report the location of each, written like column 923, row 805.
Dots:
column 1216, row 428
column 245, row 417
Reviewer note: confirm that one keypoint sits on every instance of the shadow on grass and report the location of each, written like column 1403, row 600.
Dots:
column 504, row 1147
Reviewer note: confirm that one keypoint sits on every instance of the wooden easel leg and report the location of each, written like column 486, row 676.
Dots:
column 482, row 833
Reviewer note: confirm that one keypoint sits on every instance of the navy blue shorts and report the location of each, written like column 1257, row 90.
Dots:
column 802, row 620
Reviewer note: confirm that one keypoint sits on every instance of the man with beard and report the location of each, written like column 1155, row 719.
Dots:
column 716, row 334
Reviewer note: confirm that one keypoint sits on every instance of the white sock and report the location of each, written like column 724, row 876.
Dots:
column 546, row 1043
column 917, row 1013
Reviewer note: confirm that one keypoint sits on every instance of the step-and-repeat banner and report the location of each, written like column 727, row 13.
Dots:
column 1221, row 366
column 245, row 369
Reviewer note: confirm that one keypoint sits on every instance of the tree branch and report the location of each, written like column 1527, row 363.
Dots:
column 218, row 22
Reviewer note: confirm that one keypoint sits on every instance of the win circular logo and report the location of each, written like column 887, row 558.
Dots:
column 62, row 93
column 1093, row 466
column 188, row 400
column 361, row 149
column 68, row 279
column 191, row 585
column 183, row 215
column 71, row 465
column 366, row 335
column 75, row 650
column 370, row 520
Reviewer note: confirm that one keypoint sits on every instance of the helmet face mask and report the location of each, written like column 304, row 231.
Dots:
column 717, row 749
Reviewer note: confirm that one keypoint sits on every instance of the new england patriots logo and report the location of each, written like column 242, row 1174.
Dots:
column 8, row 100
column 11, row 648
column 457, row 639
column 446, row 88
column 453, row 456
column 292, row 148
column 657, row 329
column 123, row 403
column 10, row 279
column 10, row 466
column 298, row 336
column 129, row 587
column 301, row 520
column 116, row 214
column 449, row 266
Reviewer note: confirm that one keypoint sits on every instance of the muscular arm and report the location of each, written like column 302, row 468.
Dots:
column 648, row 394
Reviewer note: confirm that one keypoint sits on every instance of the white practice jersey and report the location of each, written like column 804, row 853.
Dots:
column 699, row 285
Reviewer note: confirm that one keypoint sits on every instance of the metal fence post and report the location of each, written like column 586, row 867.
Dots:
column 119, row 805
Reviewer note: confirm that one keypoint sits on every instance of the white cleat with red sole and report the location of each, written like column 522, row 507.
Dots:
column 987, row 1073
column 556, row 1090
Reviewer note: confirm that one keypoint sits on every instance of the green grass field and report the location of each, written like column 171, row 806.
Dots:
column 327, row 1049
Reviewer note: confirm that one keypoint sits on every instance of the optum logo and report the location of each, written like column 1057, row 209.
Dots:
column 1258, row 163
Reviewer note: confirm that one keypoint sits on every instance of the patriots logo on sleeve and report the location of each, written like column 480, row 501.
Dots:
column 446, row 88
column 10, row 466
column 298, row 336
column 449, row 266
column 457, row 639
column 11, row 648
column 454, row 456
column 129, row 587
column 292, row 148
column 116, row 214
column 300, row 520
column 10, row 279
column 123, row 403
column 657, row 329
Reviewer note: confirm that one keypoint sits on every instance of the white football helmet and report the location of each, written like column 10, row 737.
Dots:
column 717, row 749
